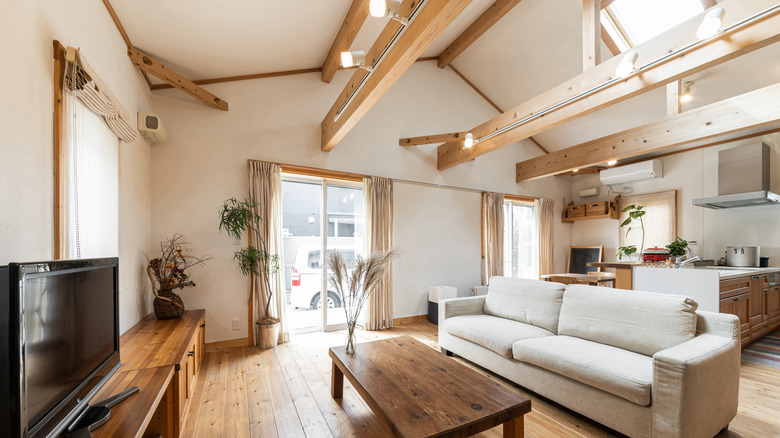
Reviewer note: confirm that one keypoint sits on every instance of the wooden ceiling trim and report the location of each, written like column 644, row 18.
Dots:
column 739, row 42
column 124, row 35
column 430, row 139
column 476, row 29
column 428, row 23
column 356, row 16
column 146, row 63
column 591, row 34
column 724, row 121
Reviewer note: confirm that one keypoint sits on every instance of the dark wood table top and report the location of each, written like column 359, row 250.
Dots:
column 417, row 391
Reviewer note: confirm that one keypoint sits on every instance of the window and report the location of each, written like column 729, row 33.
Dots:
column 660, row 221
column 632, row 22
column 521, row 240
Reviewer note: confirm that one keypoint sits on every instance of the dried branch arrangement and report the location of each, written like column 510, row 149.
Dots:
column 167, row 272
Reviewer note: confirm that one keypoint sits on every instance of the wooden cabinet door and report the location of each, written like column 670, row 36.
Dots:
column 771, row 302
column 740, row 306
column 756, row 295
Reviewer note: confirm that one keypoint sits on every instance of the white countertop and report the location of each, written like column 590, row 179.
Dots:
column 726, row 272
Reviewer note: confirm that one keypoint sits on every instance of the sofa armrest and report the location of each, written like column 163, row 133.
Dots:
column 696, row 387
column 457, row 307
column 720, row 324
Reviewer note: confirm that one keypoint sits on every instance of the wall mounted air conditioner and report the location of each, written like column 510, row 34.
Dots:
column 633, row 172
column 151, row 128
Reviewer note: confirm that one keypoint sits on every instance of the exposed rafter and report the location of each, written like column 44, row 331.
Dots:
column 428, row 23
column 673, row 91
column 736, row 43
column 431, row 139
column 591, row 34
column 476, row 29
column 356, row 16
column 124, row 35
column 754, row 112
column 154, row 68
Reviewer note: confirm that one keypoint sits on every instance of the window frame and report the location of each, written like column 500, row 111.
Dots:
column 509, row 223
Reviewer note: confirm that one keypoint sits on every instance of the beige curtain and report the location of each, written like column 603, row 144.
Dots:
column 85, row 84
column 493, row 235
column 543, row 208
column 378, row 196
column 265, row 188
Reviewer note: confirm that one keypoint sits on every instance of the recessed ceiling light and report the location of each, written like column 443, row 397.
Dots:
column 611, row 162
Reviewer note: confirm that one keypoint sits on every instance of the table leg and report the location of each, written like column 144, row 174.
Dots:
column 514, row 428
column 336, row 382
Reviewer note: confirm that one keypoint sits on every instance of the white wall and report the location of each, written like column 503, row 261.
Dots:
column 278, row 119
column 27, row 28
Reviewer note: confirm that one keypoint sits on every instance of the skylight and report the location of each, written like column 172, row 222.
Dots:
column 632, row 22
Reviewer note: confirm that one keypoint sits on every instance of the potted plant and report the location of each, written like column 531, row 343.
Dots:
column 635, row 213
column 237, row 217
column 677, row 249
column 167, row 273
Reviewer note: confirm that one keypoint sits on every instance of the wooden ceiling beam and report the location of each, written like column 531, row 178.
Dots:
column 430, row 139
column 736, row 43
column 755, row 111
column 591, row 34
column 147, row 64
column 428, row 23
column 476, row 30
column 356, row 16
column 123, row 33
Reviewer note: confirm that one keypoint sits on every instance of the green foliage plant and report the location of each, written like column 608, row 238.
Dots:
column 635, row 214
column 678, row 248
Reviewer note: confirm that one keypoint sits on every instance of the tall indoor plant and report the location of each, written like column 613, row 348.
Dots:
column 635, row 213
column 237, row 217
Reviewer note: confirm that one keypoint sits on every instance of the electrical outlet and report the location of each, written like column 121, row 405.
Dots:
column 236, row 324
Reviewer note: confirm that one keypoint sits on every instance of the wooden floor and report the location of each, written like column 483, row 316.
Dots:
column 285, row 392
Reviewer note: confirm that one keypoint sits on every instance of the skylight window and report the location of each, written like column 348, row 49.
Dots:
column 632, row 22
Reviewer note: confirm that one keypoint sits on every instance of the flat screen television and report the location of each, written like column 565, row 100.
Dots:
column 59, row 341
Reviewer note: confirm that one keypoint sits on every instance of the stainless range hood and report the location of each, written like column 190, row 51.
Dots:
column 743, row 179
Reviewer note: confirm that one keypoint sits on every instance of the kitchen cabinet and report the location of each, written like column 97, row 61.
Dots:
column 754, row 301
column 738, row 305
column 772, row 306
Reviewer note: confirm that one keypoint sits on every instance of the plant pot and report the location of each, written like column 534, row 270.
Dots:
column 165, row 309
column 267, row 335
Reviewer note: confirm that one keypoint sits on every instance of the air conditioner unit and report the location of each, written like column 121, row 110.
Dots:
column 633, row 172
column 151, row 128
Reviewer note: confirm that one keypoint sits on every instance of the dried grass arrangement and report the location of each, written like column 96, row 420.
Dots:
column 167, row 273
column 354, row 285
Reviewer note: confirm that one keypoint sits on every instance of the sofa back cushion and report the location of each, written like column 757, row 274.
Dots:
column 642, row 322
column 528, row 301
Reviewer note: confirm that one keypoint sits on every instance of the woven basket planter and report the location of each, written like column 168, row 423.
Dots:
column 173, row 307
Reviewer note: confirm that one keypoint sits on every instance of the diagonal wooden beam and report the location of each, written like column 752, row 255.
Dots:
column 124, row 35
column 428, row 23
column 753, row 112
column 732, row 45
column 154, row 68
column 476, row 30
column 430, row 139
column 356, row 16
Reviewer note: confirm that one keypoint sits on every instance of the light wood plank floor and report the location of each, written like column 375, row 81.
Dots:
column 285, row 392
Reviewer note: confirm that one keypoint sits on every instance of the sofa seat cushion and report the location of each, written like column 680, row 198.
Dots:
column 619, row 372
column 528, row 301
column 493, row 333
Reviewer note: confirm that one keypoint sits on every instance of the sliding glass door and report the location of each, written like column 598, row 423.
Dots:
column 319, row 217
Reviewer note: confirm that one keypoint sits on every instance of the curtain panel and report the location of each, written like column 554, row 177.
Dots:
column 378, row 196
column 265, row 188
column 87, row 86
column 543, row 208
column 493, row 235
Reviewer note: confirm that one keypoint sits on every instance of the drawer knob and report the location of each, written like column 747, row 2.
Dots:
column 191, row 353
column 203, row 325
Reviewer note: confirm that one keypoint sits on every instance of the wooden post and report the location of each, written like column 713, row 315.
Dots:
column 591, row 34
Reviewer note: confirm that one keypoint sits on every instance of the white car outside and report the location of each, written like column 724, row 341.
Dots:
column 306, row 287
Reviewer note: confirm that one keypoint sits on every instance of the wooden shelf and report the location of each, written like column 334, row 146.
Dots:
column 614, row 213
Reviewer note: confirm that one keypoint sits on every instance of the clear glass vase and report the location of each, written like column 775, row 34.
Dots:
column 351, row 341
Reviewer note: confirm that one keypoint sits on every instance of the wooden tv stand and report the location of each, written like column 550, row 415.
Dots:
column 162, row 357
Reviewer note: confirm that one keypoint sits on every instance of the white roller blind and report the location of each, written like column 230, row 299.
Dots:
column 89, row 184
column 660, row 221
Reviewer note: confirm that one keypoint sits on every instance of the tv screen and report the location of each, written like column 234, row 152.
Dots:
column 67, row 319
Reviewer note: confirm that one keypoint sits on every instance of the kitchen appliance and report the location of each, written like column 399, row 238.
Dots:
column 763, row 262
column 655, row 254
column 743, row 179
column 774, row 279
column 743, row 256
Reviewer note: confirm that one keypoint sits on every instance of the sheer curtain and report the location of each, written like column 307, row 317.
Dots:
column 378, row 195
column 493, row 235
column 543, row 208
column 265, row 188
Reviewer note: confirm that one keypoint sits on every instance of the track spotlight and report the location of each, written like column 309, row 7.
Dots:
column 686, row 96
column 627, row 65
column 469, row 142
column 711, row 25
column 354, row 59
column 387, row 8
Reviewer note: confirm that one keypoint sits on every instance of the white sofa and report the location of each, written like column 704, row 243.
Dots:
column 643, row 364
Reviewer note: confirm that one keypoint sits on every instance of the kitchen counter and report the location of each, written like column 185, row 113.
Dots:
column 727, row 272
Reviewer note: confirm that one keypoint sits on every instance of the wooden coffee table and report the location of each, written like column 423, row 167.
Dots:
column 416, row 391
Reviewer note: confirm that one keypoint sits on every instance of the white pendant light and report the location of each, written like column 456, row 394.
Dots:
column 686, row 96
column 469, row 142
column 711, row 25
column 627, row 64
column 387, row 8
column 354, row 59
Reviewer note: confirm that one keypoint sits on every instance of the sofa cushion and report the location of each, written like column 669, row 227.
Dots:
column 642, row 322
column 529, row 301
column 616, row 371
column 493, row 333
